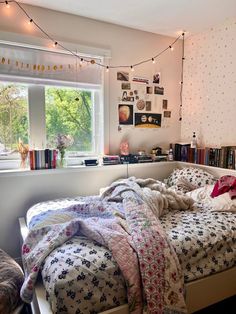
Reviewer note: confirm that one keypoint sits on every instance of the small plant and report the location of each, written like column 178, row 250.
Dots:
column 23, row 149
column 62, row 143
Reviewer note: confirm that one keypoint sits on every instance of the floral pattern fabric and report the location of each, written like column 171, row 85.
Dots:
column 81, row 276
column 205, row 241
column 187, row 179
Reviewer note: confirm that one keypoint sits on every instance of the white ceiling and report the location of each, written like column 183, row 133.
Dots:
column 166, row 17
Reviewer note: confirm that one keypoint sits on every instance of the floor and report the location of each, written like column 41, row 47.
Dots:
column 227, row 306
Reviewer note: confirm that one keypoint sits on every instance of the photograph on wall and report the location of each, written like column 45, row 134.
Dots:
column 149, row 89
column 125, row 85
column 158, row 90
column 147, row 120
column 140, row 104
column 157, row 78
column 126, row 114
column 123, row 76
column 124, row 96
column 148, row 105
column 167, row 114
column 164, row 104
column 139, row 79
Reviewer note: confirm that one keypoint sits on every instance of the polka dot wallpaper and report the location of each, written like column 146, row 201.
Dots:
column 209, row 96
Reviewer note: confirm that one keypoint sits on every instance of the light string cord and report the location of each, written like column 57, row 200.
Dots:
column 182, row 80
column 56, row 43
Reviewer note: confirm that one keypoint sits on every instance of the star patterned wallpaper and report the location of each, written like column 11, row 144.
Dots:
column 209, row 96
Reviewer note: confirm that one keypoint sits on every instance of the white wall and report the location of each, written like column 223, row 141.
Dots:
column 209, row 106
column 127, row 46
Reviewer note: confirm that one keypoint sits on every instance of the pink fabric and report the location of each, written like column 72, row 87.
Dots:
column 223, row 185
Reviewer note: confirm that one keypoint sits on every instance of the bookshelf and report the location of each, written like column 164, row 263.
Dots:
column 223, row 157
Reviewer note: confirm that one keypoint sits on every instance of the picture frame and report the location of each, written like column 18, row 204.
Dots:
column 126, row 113
column 125, row 85
column 123, row 76
column 148, row 105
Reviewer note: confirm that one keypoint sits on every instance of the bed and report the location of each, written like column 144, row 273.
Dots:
column 209, row 277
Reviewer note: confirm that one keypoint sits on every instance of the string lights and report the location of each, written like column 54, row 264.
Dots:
column 7, row 5
column 182, row 80
column 92, row 61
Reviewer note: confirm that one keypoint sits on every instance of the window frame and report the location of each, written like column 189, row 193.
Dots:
column 37, row 121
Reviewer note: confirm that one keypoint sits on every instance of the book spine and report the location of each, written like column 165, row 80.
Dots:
column 46, row 152
column 206, row 160
column 32, row 163
column 54, row 163
column 42, row 157
column 36, row 159
column 230, row 159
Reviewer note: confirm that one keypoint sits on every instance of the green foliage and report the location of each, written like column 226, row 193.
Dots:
column 13, row 115
column 69, row 111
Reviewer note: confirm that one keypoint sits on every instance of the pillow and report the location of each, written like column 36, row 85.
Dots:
column 220, row 203
column 188, row 179
column 11, row 280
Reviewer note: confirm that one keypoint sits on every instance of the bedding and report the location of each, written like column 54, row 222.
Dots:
column 191, row 234
column 222, row 203
column 189, row 178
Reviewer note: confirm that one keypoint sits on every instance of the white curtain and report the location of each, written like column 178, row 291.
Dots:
column 31, row 63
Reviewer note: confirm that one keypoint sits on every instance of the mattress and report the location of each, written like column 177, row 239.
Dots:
column 83, row 270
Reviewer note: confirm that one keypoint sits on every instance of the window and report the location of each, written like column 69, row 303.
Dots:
column 49, row 92
column 13, row 116
column 51, row 110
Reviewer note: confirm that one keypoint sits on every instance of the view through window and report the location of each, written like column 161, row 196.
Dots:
column 13, row 116
column 70, row 111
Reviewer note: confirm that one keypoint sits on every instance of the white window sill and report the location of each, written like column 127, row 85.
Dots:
column 82, row 168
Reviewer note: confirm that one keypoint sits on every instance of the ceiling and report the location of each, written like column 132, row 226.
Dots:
column 167, row 17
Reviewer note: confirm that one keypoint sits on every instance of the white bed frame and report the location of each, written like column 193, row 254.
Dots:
column 199, row 293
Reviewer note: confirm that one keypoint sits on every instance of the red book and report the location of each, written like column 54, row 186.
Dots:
column 54, row 159
column 32, row 160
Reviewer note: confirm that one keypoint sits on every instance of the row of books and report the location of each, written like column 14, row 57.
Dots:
column 224, row 157
column 43, row 159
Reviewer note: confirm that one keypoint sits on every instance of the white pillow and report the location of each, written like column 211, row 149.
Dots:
column 188, row 179
column 222, row 202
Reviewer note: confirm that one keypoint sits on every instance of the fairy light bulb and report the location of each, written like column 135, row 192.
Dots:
column 107, row 69
column 153, row 61
column 171, row 48
column 7, row 5
column 55, row 44
column 81, row 61
column 30, row 21
column 132, row 68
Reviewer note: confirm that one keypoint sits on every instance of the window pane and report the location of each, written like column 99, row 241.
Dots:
column 13, row 116
column 69, row 111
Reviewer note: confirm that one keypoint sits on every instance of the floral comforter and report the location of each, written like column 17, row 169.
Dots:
column 135, row 238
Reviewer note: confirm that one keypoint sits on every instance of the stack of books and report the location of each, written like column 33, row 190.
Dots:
column 111, row 160
column 43, row 159
column 224, row 157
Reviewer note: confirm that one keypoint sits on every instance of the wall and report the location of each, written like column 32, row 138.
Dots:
column 127, row 46
column 209, row 106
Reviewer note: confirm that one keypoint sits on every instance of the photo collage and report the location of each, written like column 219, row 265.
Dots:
column 137, row 102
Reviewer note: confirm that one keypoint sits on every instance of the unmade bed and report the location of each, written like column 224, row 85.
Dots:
column 85, row 274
